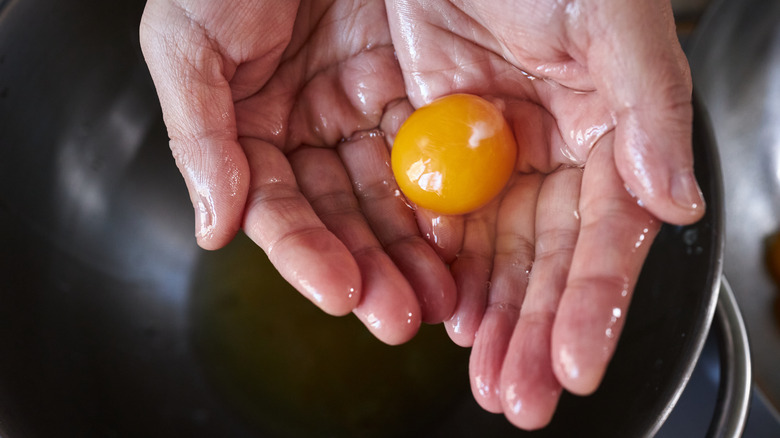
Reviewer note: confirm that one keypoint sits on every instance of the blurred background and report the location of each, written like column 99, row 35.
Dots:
column 734, row 51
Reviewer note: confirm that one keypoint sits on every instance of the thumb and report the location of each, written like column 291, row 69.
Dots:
column 638, row 63
column 198, row 110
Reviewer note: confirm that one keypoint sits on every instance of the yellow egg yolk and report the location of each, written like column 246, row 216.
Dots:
column 454, row 155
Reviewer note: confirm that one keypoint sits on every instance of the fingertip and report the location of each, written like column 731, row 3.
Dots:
column 582, row 345
column 682, row 202
column 486, row 393
column 459, row 330
column 428, row 276
column 321, row 268
column 529, row 388
column 338, row 279
column 388, row 306
column 488, row 354
column 530, row 414
column 345, row 302
column 654, row 157
column 218, row 195
column 585, row 334
column 333, row 284
column 471, row 274
column 687, row 197
column 575, row 375
column 212, row 243
column 213, row 228
column 395, row 327
column 339, row 292
column 443, row 233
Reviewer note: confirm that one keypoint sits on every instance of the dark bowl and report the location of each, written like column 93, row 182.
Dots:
column 735, row 59
column 114, row 323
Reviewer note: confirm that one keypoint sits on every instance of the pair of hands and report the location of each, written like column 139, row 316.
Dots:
column 281, row 115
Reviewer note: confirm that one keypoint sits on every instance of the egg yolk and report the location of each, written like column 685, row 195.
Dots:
column 454, row 155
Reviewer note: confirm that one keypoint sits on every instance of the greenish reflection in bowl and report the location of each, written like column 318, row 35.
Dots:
column 291, row 370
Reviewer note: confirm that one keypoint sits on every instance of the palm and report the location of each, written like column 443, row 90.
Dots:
column 544, row 275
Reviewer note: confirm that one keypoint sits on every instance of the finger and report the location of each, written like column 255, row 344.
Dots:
column 471, row 270
column 514, row 256
column 388, row 306
column 529, row 388
column 198, row 111
column 443, row 232
column 393, row 116
column 640, row 68
column 614, row 238
column 282, row 222
column 366, row 159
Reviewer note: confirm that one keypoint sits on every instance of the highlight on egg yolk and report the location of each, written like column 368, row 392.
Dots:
column 454, row 155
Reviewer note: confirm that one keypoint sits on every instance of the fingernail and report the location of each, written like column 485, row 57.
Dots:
column 686, row 192
column 204, row 217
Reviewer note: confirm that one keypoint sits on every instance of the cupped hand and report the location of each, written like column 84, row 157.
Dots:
column 277, row 112
column 274, row 112
column 599, row 98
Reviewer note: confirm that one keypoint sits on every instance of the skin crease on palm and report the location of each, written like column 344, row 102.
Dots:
column 281, row 115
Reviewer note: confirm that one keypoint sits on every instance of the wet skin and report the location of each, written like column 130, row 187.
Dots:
column 281, row 116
